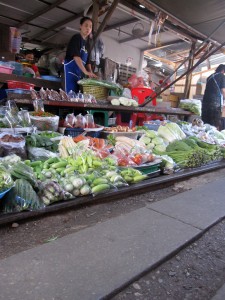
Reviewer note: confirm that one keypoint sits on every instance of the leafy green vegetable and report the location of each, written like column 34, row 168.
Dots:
column 6, row 181
column 176, row 130
column 151, row 133
column 35, row 140
column 159, row 148
column 110, row 85
column 112, row 139
column 178, row 146
column 158, row 140
column 166, row 134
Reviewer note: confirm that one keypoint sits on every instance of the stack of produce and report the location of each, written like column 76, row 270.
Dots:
column 192, row 152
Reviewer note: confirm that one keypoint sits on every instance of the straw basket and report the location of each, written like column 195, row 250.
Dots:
column 99, row 92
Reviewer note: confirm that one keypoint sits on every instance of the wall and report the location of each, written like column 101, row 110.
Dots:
column 120, row 52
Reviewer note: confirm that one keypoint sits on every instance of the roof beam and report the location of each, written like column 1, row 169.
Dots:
column 155, row 8
column 57, row 25
column 150, row 49
column 120, row 24
column 46, row 44
column 40, row 12
column 132, row 37
column 165, row 61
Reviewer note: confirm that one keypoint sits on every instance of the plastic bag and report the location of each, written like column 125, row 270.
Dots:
column 70, row 120
column 38, row 105
column 54, row 96
column 45, row 123
column 34, row 94
column 6, row 181
column 43, row 94
column 35, row 153
column 51, row 192
column 80, row 121
column 192, row 105
column 63, row 95
column 12, row 144
column 14, row 202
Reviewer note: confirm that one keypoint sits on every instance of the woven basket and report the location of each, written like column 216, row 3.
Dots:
column 99, row 92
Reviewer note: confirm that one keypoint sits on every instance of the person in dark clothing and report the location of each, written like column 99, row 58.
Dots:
column 212, row 102
column 77, row 60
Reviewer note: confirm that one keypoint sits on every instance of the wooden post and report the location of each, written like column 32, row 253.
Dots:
column 189, row 75
column 104, row 22
column 95, row 14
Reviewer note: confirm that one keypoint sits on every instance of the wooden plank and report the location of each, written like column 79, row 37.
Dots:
column 109, row 107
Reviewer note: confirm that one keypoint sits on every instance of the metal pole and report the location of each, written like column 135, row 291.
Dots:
column 204, row 57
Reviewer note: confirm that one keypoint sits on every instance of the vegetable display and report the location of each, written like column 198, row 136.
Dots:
column 103, row 83
column 61, row 168
column 6, row 181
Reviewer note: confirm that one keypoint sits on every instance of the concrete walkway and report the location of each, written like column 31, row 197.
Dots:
column 96, row 261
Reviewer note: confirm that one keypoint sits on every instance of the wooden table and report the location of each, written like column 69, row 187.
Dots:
column 108, row 107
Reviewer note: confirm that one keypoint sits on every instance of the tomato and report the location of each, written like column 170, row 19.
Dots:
column 137, row 159
column 123, row 162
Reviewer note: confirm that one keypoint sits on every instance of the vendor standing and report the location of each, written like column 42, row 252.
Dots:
column 77, row 60
column 212, row 102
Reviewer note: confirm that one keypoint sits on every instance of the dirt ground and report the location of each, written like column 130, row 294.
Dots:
column 195, row 273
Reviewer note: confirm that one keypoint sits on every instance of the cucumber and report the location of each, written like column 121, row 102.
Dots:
column 100, row 188
column 98, row 181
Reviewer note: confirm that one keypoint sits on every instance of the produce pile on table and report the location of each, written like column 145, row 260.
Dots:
column 51, row 167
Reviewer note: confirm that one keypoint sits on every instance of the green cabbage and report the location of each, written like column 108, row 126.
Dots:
column 160, row 148
column 166, row 134
column 151, row 133
column 150, row 146
column 146, row 140
column 176, row 130
column 157, row 140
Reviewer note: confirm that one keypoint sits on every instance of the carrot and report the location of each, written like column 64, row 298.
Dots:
column 79, row 138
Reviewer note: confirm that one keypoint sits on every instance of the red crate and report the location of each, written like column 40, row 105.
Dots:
column 12, row 84
column 141, row 93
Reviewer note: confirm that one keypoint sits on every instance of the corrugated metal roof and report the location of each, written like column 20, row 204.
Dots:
column 55, row 26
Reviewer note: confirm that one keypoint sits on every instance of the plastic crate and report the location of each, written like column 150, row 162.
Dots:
column 99, row 92
column 73, row 132
column 151, row 125
column 149, row 168
column 12, row 84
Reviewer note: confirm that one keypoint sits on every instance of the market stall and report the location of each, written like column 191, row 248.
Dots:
column 43, row 170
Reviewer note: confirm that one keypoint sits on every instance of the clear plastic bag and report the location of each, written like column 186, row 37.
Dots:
column 38, row 105
column 45, row 123
column 13, row 202
column 35, row 153
column 6, row 181
column 192, row 105
column 51, row 192
column 70, row 120
column 12, row 144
